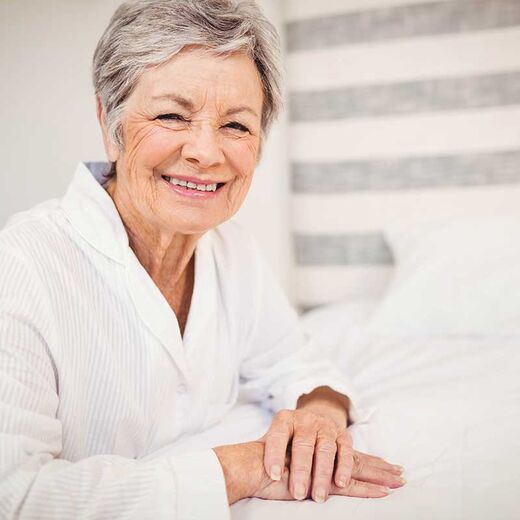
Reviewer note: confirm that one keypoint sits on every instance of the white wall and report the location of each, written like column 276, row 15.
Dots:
column 266, row 212
column 49, row 124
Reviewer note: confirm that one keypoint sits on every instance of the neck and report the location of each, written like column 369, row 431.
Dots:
column 166, row 255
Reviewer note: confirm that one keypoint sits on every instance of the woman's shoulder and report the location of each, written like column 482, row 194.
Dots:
column 29, row 231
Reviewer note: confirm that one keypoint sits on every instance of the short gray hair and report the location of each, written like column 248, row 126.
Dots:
column 145, row 33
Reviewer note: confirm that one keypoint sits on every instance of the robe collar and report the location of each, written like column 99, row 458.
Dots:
column 93, row 214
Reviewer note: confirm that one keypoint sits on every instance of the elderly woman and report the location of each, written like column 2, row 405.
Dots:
column 132, row 312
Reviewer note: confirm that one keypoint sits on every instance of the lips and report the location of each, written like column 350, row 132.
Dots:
column 192, row 182
column 189, row 192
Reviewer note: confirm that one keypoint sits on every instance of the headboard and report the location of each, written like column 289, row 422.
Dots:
column 398, row 110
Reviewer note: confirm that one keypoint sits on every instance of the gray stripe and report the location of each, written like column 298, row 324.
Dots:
column 406, row 174
column 402, row 22
column 349, row 249
column 488, row 90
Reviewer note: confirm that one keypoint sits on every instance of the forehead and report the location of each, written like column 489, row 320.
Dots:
column 201, row 75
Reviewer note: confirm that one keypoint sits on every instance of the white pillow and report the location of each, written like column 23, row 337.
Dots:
column 459, row 277
column 336, row 325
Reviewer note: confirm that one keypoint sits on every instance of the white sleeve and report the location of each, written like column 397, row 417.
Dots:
column 282, row 362
column 34, row 481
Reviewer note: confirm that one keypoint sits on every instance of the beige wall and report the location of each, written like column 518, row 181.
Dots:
column 48, row 120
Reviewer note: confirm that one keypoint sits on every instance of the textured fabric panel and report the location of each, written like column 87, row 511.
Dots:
column 351, row 249
column 407, row 173
column 432, row 95
column 399, row 22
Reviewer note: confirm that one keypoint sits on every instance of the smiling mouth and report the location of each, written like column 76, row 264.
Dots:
column 194, row 186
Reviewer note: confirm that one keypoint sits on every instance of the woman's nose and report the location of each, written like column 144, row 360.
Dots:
column 203, row 148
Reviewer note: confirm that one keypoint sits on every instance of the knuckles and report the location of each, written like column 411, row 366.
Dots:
column 326, row 447
column 276, row 434
column 284, row 414
column 307, row 417
column 358, row 463
column 303, row 442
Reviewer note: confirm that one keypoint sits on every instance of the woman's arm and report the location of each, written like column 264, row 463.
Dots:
column 35, row 482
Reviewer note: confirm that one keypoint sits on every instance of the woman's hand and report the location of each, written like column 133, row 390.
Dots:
column 322, row 459
column 360, row 485
column 245, row 475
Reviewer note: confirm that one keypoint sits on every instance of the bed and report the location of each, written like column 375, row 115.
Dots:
column 446, row 408
column 441, row 396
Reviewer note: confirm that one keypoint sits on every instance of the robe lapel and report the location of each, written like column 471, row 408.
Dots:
column 154, row 310
column 202, row 318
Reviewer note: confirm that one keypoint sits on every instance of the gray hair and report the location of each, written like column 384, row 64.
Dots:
column 146, row 33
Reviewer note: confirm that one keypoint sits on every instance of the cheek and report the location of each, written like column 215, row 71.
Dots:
column 153, row 146
column 242, row 157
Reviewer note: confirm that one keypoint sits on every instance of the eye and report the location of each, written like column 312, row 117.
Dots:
column 235, row 125
column 170, row 117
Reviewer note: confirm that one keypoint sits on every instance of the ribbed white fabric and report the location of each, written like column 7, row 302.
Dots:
column 95, row 377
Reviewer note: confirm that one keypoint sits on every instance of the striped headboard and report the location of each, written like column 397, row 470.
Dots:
column 398, row 109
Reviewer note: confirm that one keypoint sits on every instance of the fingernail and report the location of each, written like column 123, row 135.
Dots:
column 319, row 495
column 384, row 489
column 402, row 480
column 341, row 482
column 299, row 492
column 276, row 472
column 398, row 468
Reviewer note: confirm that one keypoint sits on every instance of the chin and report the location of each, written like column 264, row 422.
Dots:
column 190, row 227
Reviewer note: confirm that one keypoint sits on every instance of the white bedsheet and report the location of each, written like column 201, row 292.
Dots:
column 446, row 408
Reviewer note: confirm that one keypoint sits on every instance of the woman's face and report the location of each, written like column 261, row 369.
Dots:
column 197, row 116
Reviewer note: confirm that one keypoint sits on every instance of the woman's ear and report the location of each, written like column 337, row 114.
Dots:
column 111, row 148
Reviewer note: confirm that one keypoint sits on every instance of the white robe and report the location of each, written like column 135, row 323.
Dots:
column 95, row 376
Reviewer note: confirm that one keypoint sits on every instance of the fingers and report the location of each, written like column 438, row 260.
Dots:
column 345, row 460
column 357, row 488
column 381, row 463
column 378, row 476
column 276, row 440
column 302, row 452
column 324, row 454
column 376, row 471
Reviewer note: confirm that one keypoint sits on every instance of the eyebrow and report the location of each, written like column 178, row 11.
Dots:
column 188, row 105
column 182, row 101
column 241, row 108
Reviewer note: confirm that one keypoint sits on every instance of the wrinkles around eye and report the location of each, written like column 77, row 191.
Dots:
column 171, row 117
column 233, row 126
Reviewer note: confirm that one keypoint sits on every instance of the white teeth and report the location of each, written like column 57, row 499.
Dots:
column 192, row 185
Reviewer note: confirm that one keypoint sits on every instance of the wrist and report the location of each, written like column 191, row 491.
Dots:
column 242, row 465
column 327, row 402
